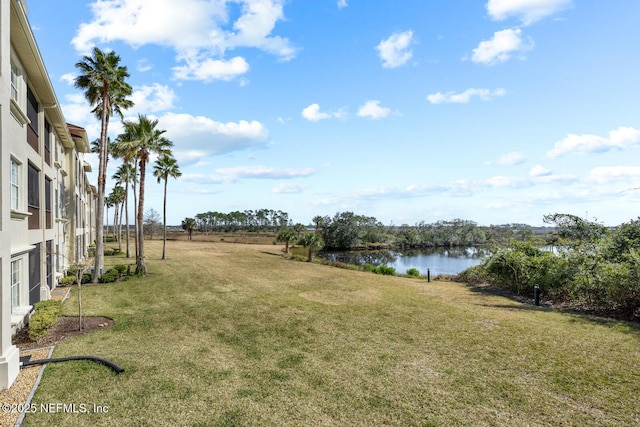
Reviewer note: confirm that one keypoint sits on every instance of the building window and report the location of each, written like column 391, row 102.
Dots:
column 34, row 197
column 16, row 276
column 15, row 185
column 62, row 208
column 15, row 93
column 32, row 113
column 49, row 263
column 35, row 271
column 48, row 202
column 47, row 142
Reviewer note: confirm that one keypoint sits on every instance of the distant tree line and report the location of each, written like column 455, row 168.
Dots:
column 266, row 220
column 347, row 230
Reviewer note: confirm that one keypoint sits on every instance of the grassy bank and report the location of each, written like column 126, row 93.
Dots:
column 228, row 335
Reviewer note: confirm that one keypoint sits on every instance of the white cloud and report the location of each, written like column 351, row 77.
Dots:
column 457, row 188
column 538, row 171
column 151, row 99
column 550, row 178
column 464, row 97
column 77, row 111
column 619, row 139
column 529, row 11
column 254, row 26
column 506, row 181
column 520, row 182
column 509, row 159
column 233, row 174
column 608, row 174
column 199, row 31
column 264, row 172
column 143, row 65
column 373, row 110
column 198, row 133
column 500, row 48
column 190, row 157
column 209, row 69
column 342, row 4
column 68, row 78
column 313, row 113
column 395, row 51
column 289, row 188
column 194, row 137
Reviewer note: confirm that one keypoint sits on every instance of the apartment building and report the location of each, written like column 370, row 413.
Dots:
column 46, row 203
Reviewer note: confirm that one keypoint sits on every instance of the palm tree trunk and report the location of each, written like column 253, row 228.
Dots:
column 164, row 220
column 141, row 268
column 135, row 209
column 126, row 213
column 115, row 221
column 102, row 180
column 120, row 225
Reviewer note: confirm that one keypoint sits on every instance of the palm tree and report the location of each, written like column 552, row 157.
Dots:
column 189, row 224
column 319, row 221
column 298, row 228
column 165, row 167
column 148, row 140
column 313, row 242
column 108, row 203
column 287, row 236
column 126, row 149
column 118, row 198
column 103, row 80
column 125, row 174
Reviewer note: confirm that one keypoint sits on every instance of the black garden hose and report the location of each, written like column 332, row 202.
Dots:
column 105, row 362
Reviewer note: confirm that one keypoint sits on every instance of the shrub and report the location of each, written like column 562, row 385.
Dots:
column 369, row 267
column 109, row 251
column 385, row 270
column 476, row 275
column 67, row 281
column 72, row 270
column 86, row 278
column 121, row 269
column 381, row 269
column 44, row 317
column 413, row 272
column 109, row 276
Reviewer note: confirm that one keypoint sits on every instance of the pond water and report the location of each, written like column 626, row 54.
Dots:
column 436, row 260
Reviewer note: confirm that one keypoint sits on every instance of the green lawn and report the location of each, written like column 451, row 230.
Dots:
column 228, row 335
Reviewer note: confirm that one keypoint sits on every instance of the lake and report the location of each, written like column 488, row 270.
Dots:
column 437, row 260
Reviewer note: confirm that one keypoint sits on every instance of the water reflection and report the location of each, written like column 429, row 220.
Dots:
column 437, row 260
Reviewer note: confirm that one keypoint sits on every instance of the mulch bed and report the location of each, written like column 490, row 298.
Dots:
column 66, row 327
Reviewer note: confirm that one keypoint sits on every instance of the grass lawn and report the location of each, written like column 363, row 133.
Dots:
column 229, row 335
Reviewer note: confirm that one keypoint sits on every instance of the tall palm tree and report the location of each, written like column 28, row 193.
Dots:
column 165, row 167
column 148, row 140
column 126, row 149
column 124, row 175
column 103, row 80
column 118, row 197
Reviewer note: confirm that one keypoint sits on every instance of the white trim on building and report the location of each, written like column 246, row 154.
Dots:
column 46, row 204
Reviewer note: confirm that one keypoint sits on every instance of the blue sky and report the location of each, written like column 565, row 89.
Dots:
column 494, row 111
